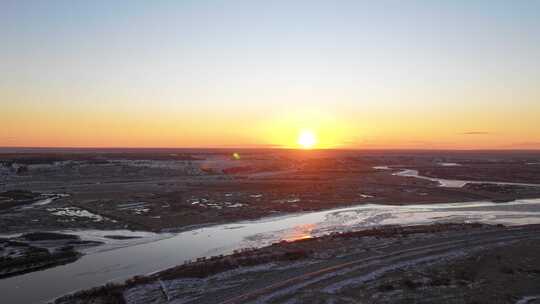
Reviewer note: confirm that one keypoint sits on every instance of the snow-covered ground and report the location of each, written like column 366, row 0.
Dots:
column 151, row 254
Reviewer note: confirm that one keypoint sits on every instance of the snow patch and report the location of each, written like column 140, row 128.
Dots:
column 76, row 212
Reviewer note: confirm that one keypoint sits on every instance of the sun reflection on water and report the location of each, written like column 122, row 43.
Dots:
column 300, row 232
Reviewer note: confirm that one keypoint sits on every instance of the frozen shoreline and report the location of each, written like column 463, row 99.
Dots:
column 151, row 255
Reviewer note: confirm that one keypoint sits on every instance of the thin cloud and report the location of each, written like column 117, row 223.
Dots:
column 531, row 144
column 252, row 146
column 353, row 141
column 475, row 133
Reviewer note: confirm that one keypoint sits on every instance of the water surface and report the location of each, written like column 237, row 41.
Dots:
column 121, row 262
column 453, row 183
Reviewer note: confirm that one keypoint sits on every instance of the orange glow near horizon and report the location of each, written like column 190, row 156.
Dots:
column 185, row 74
column 127, row 121
column 35, row 127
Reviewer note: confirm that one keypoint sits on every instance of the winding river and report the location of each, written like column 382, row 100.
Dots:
column 122, row 259
column 451, row 183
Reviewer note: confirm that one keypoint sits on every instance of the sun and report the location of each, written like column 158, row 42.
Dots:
column 307, row 139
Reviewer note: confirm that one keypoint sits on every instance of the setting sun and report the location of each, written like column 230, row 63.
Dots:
column 307, row 139
column 163, row 122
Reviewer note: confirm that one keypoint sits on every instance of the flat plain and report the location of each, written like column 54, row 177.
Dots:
column 48, row 195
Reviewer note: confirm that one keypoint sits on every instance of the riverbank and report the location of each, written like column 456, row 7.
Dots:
column 123, row 262
column 156, row 211
column 38, row 251
column 334, row 263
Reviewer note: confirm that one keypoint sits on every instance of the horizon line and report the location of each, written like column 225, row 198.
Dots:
column 276, row 147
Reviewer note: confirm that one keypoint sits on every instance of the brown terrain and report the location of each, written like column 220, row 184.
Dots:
column 162, row 190
column 176, row 190
column 422, row 264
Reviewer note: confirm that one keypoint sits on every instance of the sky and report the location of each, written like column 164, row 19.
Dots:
column 357, row 74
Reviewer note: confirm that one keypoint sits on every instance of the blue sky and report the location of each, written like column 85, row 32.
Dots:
column 371, row 65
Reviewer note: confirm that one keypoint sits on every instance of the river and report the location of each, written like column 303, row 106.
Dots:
column 154, row 252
